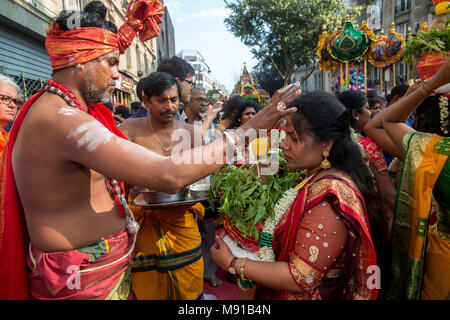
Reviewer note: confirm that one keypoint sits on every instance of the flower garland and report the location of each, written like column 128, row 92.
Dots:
column 443, row 107
column 355, row 138
column 265, row 252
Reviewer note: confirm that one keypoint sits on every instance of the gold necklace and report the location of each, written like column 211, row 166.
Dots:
column 166, row 149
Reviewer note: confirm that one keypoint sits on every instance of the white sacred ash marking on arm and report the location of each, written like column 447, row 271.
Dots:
column 68, row 111
column 91, row 135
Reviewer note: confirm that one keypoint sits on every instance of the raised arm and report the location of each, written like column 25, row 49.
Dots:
column 393, row 121
column 374, row 129
column 211, row 114
column 81, row 139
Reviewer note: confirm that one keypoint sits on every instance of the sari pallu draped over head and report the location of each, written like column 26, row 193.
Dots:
column 359, row 250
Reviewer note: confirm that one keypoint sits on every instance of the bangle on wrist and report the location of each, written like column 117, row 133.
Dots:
column 242, row 269
column 426, row 87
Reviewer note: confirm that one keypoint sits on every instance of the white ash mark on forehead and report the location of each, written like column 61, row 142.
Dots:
column 91, row 135
column 68, row 111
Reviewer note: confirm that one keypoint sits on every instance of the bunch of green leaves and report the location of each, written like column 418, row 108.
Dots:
column 430, row 41
column 240, row 196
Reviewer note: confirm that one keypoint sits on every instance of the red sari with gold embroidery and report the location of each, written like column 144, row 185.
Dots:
column 329, row 255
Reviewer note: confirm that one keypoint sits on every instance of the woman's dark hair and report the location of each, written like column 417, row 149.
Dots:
column 232, row 105
column 236, row 122
column 353, row 100
column 323, row 116
column 123, row 111
column 158, row 82
column 176, row 66
column 109, row 105
column 93, row 15
column 399, row 90
column 428, row 116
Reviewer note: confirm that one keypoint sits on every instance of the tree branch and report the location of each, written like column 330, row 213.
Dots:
column 309, row 74
column 276, row 68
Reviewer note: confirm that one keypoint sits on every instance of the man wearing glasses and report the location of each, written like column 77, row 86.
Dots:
column 9, row 103
column 199, row 111
column 183, row 72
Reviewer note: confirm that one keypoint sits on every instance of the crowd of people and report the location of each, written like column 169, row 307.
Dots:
column 370, row 219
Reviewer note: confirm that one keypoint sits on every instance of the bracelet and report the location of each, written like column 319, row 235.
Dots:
column 427, row 88
column 244, row 261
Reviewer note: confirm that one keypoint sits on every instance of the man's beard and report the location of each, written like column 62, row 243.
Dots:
column 92, row 94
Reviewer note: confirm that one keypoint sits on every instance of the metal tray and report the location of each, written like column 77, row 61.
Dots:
column 189, row 200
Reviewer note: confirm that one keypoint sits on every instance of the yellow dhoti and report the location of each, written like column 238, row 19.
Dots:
column 168, row 261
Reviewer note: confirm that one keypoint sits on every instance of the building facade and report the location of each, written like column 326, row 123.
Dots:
column 165, row 43
column 202, row 77
column 22, row 45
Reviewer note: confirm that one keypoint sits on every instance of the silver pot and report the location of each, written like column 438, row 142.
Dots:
column 162, row 197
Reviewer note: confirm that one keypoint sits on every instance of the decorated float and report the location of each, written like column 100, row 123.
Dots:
column 429, row 49
column 248, row 88
column 349, row 50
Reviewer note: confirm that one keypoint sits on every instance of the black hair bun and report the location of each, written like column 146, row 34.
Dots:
column 96, row 7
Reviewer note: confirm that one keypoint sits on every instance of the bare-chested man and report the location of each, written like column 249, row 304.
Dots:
column 171, row 268
column 58, row 214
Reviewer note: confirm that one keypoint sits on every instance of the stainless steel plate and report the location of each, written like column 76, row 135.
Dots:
column 162, row 197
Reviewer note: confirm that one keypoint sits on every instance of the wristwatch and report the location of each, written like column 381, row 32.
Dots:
column 231, row 268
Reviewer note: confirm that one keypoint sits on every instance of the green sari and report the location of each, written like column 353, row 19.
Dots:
column 420, row 230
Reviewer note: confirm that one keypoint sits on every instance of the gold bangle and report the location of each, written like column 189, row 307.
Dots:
column 244, row 261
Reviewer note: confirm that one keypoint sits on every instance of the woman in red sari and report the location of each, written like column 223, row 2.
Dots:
column 325, row 242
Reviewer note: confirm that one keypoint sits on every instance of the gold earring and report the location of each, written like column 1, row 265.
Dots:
column 325, row 164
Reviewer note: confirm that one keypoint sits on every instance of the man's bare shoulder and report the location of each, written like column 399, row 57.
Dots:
column 131, row 127
column 50, row 112
column 183, row 125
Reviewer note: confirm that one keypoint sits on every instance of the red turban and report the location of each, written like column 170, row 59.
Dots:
column 68, row 48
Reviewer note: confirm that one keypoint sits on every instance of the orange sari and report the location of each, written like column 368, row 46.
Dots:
column 3, row 138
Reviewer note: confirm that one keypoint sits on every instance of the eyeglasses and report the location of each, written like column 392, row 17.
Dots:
column 201, row 100
column 7, row 100
column 192, row 83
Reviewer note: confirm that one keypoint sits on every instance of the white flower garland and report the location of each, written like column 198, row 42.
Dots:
column 285, row 202
column 265, row 252
column 443, row 103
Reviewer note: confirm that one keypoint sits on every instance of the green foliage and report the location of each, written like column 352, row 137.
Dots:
column 241, row 191
column 254, row 98
column 284, row 33
column 427, row 42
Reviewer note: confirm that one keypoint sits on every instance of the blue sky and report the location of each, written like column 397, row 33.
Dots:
column 199, row 25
